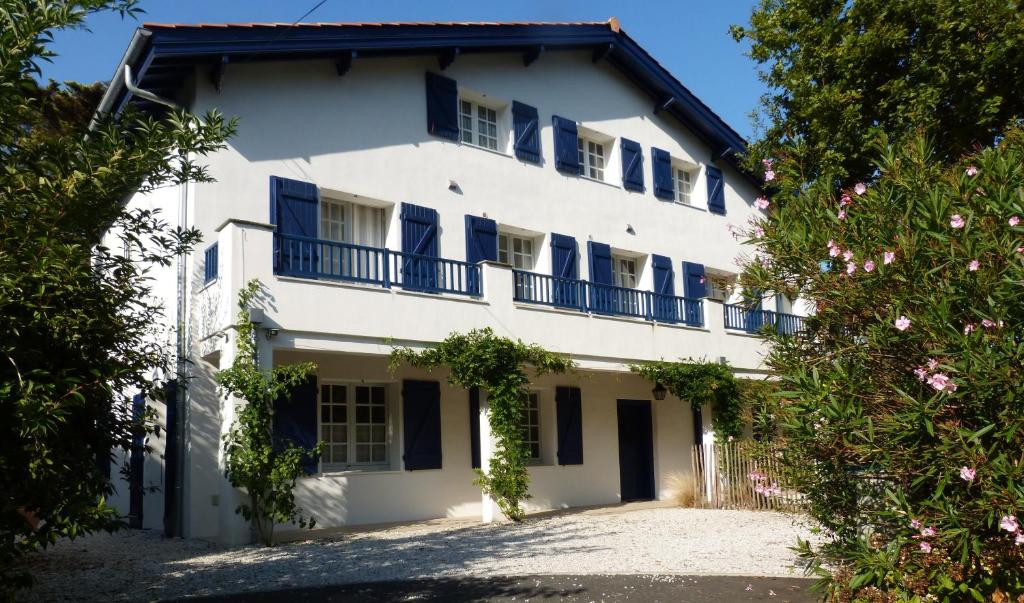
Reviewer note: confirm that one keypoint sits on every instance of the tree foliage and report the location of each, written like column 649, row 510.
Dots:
column 840, row 70
column 498, row 365
column 904, row 420
column 700, row 383
column 78, row 316
column 265, row 469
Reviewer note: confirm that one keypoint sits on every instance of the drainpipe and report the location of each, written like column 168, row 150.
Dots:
column 146, row 94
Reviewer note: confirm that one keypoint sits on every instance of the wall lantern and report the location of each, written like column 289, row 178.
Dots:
column 659, row 391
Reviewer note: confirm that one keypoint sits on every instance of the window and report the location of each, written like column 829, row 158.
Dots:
column 591, row 158
column 531, row 426
column 718, row 285
column 515, row 251
column 624, row 271
column 354, row 434
column 346, row 222
column 684, row 185
column 479, row 125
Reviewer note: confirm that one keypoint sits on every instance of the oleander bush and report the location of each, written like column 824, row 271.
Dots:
column 902, row 413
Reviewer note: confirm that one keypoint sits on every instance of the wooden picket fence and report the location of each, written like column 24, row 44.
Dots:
column 726, row 476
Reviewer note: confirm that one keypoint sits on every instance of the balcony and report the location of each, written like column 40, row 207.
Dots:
column 753, row 320
column 320, row 259
column 607, row 300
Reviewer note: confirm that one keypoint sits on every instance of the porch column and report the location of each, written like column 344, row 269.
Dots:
column 490, row 511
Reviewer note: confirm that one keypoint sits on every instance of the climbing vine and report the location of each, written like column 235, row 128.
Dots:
column 700, row 383
column 497, row 365
column 253, row 463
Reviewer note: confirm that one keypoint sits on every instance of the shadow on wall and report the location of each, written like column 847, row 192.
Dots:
column 359, row 558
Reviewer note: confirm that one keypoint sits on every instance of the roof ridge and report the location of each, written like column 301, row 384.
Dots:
column 612, row 23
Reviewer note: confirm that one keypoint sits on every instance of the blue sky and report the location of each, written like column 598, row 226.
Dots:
column 689, row 37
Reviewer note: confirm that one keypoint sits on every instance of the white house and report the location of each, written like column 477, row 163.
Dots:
column 393, row 183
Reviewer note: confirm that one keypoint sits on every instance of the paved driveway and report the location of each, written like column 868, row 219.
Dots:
column 629, row 540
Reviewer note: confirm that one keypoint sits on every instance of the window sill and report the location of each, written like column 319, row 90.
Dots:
column 332, row 283
column 209, row 284
column 691, row 206
column 739, row 333
column 486, row 150
column 595, row 180
column 357, row 471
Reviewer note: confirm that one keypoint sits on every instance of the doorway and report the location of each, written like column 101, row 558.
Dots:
column 636, row 450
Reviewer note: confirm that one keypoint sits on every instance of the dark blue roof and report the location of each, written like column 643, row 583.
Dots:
column 170, row 53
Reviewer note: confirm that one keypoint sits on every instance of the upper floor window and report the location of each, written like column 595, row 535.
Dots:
column 478, row 125
column 531, row 426
column 515, row 251
column 346, row 222
column 683, row 180
column 718, row 285
column 592, row 158
column 624, row 271
column 353, row 425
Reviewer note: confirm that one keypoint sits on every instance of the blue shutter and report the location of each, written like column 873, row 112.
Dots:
column 716, row 190
column 665, row 308
column 295, row 210
column 569, row 416
column 661, row 172
column 565, row 287
column 474, row 427
column 602, row 297
column 567, row 151
column 632, row 166
column 210, row 265
column 442, row 106
column 694, row 288
column 419, row 243
column 481, row 239
column 295, row 420
column 526, row 129
column 421, row 424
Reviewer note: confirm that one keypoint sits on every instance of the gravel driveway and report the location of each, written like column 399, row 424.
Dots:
column 141, row 566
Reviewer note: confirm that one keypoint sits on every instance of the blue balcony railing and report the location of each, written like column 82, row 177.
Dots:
column 752, row 320
column 317, row 258
column 533, row 288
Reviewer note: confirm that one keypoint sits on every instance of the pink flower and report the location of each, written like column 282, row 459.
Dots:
column 967, row 474
column 769, row 175
column 758, row 231
column 851, row 268
column 928, row 532
column 973, row 266
column 847, row 255
column 971, row 170
column 761, row 203
column 1014, row 220
column 925, row 547
column 1009, row 523
column 845, row 200
column 888, row 257
column 933, row 364
column 767, row 163
column 842, row 214
column 941, row 382
column 702, row 280
column 1019, row 540
column 969, row 328
column 957, row 221
column 902, row 323
column 834, row 251
column 1020, row 250
column 860, row 188
column 921, row 374
column 869, row 266
column 988, row 324
column 915, row 524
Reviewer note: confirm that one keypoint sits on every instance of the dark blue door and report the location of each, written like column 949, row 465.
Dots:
column 665, row 308
column 636, row 450
column 419, row 247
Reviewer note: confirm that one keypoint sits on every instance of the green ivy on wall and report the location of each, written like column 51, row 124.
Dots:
column 497, row 365
column 700, row 383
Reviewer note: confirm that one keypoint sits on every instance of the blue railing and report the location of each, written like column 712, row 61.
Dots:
column 317, row 258
column 533, row 288
column 752, row 320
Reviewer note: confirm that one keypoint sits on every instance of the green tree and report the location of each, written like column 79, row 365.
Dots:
column 498, row 366
column 838, row 70
column 253, row 461
column 78, row 316
column 904, row 414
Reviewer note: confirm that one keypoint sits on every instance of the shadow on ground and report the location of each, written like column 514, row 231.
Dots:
column 675, row 589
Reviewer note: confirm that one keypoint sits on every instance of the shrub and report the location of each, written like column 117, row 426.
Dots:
column 904, row 415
